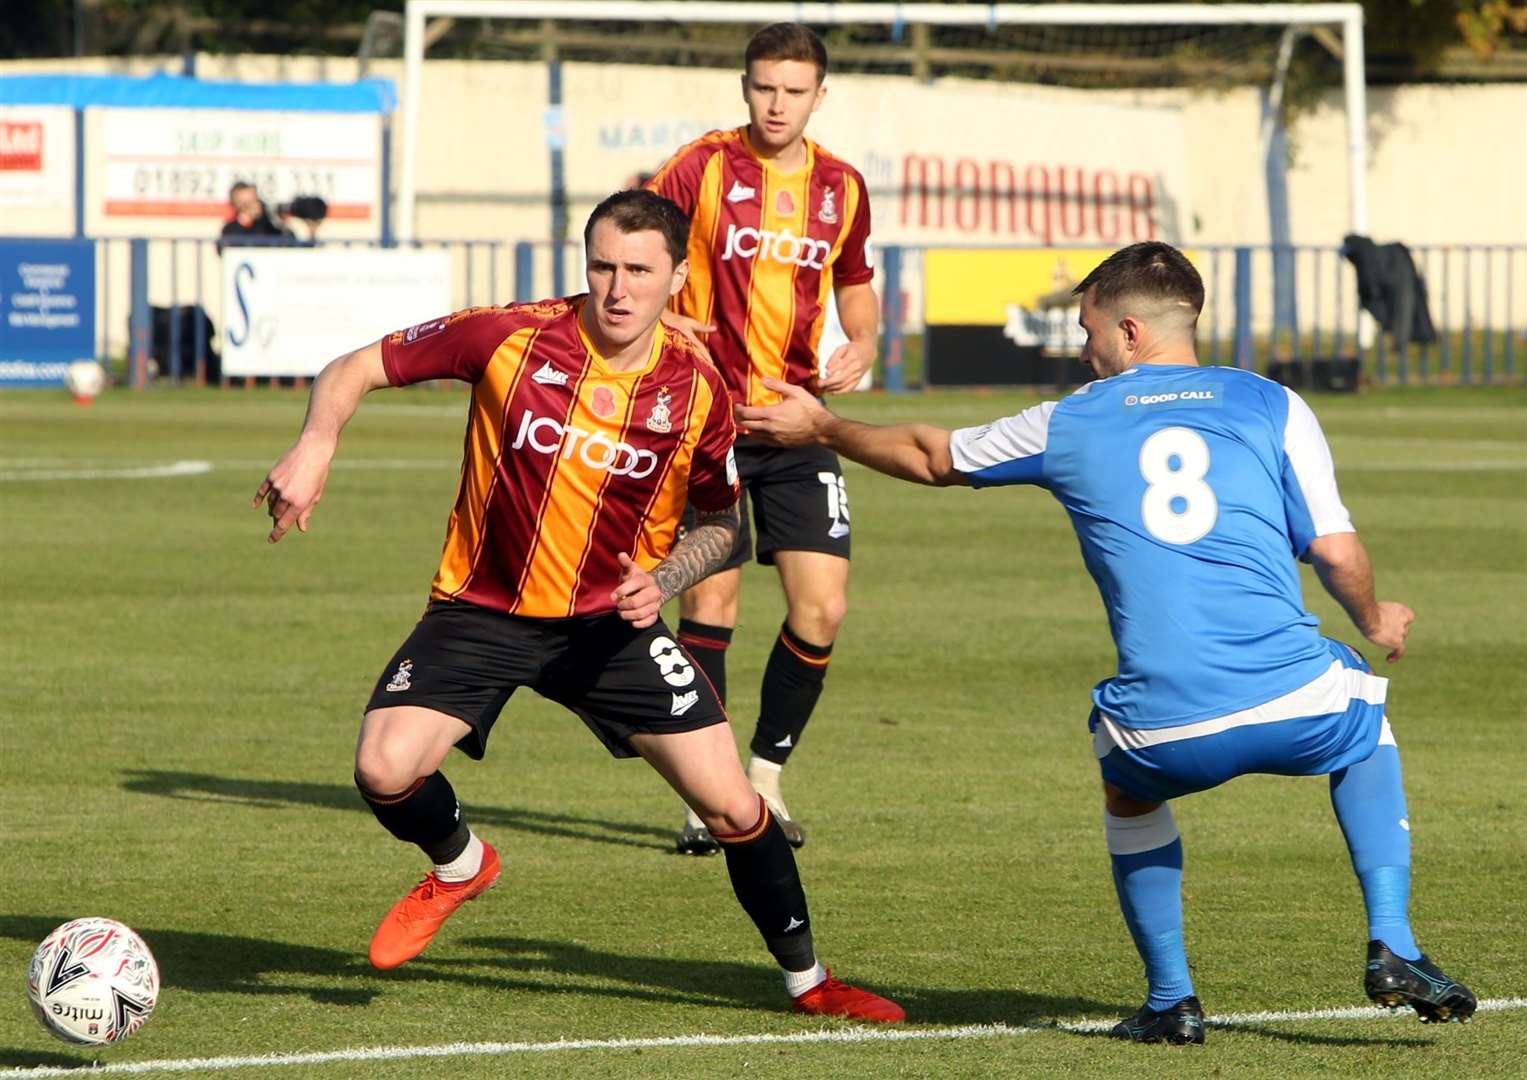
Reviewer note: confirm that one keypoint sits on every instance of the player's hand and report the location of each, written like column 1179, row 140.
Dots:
column 795, row 421
column 293, row 487
column 846, row 366
column 638, row 597
column 690, row 328
column 1393, row 628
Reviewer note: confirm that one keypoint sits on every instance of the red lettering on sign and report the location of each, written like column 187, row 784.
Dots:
column 967, row 195
column 1002, row 182
column 1062, row 203
column 20, row 146
column 1036, row 184
column 1105, row 201
column 1073, row 221
column 924, row 169
column 1142, row 207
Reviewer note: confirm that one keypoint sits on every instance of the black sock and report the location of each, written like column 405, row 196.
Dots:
column 792, row 683
column 708, row 644
column 424, row 813
column 762, row 868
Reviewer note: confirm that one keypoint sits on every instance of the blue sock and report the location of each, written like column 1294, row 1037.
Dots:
column 1149, row 884
column 1369, row 800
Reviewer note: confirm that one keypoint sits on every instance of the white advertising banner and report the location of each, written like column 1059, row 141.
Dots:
column 956, row 162
column 153, row 166
column 36, row 159
column 289, row 311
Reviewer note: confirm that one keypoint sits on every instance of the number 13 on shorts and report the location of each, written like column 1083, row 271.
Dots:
column 837, row 503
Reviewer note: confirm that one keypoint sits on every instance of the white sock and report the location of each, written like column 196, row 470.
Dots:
column 763, row 774
column 463, row 867
column 798, row 982
column 692, row 819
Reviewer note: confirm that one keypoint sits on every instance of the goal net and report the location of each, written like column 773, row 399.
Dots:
column 1046, row 126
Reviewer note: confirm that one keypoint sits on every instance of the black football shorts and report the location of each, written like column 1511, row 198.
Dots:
column 799, row 501
column 465, row 661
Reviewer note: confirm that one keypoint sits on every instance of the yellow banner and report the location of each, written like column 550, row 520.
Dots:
column 982, row 287
column 964, row 287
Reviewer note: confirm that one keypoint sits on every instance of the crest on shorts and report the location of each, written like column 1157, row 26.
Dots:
column 828, row 214
column 660, row 419
column 401, row 677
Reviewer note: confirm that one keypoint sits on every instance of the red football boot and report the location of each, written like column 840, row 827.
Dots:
column 413, row 920
column 834, row 998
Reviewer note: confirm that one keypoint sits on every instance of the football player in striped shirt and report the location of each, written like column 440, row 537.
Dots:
column 590, row 428
column 1194, row 491
column 779, row 229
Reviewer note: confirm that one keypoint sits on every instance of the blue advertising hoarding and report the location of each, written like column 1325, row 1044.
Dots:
column 47, row 309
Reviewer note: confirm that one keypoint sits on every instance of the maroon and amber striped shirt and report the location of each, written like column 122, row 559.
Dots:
column 567, row 463
column 765, row 250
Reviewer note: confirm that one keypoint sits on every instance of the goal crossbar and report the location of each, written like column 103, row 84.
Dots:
column 1348, row 16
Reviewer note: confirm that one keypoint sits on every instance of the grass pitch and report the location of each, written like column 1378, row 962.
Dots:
column 181, row 699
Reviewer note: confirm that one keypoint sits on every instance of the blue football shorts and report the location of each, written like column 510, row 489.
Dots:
column 1333, row 722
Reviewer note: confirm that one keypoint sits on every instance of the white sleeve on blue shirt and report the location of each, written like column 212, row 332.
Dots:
column 1006, row 451
column 1309, row 457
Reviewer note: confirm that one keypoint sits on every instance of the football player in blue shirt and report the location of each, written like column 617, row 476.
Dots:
column 1193, row 490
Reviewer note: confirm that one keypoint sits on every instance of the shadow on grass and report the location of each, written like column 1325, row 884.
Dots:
column 1308, row 1038
column 196, row 962
column 721, row 983
column 269, row 794
column 14, row 1056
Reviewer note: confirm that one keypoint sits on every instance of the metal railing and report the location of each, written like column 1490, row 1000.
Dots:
column 1263, row 305
column 1299, row 305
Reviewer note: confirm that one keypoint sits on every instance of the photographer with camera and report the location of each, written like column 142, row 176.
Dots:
column 251, row 222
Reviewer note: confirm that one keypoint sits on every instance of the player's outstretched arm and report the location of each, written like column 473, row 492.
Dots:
column 295, row 483
column 916, row 452
column 640, row 596
column 1341, row 562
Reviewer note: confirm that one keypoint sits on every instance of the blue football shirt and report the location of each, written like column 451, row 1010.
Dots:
column 1192, row 491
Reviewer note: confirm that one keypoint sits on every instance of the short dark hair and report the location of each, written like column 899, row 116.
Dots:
column 787, row 41
column 1151, row 270
column 240, row 185
column 638, row 210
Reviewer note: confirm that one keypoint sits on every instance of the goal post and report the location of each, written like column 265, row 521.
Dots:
column 1345, row 17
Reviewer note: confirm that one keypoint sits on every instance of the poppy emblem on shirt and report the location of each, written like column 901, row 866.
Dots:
column 603, row 402
column 828, row 214
column 784, row 203
column 659, row 419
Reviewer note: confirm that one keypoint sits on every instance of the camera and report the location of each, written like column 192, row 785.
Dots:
column 309, row 208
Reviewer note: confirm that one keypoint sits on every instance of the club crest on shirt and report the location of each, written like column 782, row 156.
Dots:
column 828, row 214
column 603, row 402
column 784, row 203
column 659, row 419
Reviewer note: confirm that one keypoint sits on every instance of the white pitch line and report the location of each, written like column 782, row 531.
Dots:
column 849, row 1035
column 137, row 472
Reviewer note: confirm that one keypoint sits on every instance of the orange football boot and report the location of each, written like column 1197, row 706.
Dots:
column 408, row 927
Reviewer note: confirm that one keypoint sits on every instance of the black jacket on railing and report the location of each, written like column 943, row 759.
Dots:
column 1391, row 289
